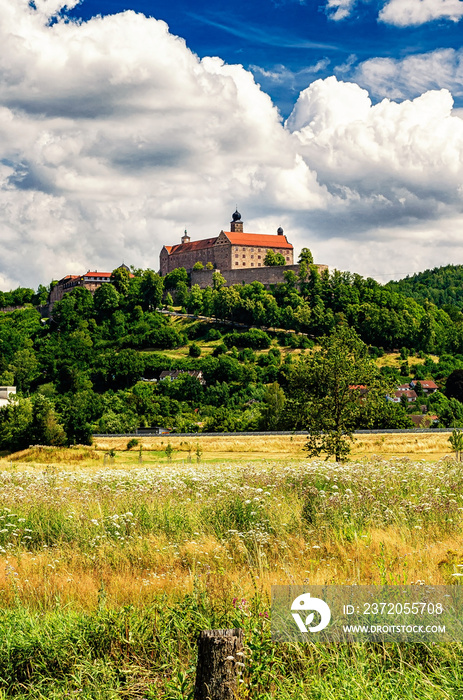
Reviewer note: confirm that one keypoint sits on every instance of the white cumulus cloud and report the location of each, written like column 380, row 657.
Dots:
column 114, row 137
column 399, row 79
column 339, row 9
column 406, row 13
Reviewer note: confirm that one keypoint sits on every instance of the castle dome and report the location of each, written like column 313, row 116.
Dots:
column 236, row 216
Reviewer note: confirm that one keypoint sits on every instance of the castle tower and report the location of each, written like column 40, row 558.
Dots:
column 236, row 226
column 185, row 237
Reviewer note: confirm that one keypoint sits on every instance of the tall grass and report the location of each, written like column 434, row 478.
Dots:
column 108, row 575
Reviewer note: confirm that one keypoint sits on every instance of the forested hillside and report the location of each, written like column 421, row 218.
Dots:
column 90, row 368
column 443, row 286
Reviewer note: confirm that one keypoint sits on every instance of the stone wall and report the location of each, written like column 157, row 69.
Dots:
column 265, row 275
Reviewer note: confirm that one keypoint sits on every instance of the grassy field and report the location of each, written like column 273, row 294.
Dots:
column 109, row 571
column 416, row 445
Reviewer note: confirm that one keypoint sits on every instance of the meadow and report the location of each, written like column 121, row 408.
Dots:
column 109, row 571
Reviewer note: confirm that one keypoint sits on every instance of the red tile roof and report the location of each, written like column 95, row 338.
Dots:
column 68, row 278
column 265, row 240
column 97, row 274
column 425, row 383
column 191, row 246
column 408, row 393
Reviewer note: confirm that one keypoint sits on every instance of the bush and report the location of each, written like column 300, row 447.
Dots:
column 195, row 350
column 132, row 443
column 213, row 334
column 219, row 350
column 255, row 338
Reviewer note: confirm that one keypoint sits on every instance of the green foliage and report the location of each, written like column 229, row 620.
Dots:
column 305, row 256
column 194, row 350
column 273, row 259
column 456, row 442
column 133, row 442
column 255, row 338
column 173, row 278
column 25, row 422
column 218, row 280
column 106, row 301
column 331, row 390
column 120, row 278
column 273, row 405
column 198, row 265
column 151, row 290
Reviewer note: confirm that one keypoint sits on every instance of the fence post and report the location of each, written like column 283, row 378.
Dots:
column 220, row 659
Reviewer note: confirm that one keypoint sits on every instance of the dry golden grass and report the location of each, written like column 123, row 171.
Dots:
column 43, row 454
column 413, row 445
column 192, row 532
column 393, row 359
column 76, row 579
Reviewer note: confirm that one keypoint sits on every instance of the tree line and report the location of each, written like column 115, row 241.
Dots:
column 90, row 367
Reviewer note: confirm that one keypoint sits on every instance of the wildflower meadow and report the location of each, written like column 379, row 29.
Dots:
column 109, row 573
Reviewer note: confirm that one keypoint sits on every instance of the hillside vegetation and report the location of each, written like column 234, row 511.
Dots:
column 94, row 366
column 443, row 286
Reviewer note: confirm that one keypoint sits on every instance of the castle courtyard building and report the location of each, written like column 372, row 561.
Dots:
column 230, row 250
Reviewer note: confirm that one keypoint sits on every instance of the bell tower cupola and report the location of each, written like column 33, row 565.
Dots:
column 185, row 237
column 236, row 225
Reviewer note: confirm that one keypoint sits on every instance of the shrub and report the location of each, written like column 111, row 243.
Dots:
column 195, row 350
column 132, row 443
column 255, row 338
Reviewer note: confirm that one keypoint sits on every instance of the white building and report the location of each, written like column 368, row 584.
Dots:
column 5, row 393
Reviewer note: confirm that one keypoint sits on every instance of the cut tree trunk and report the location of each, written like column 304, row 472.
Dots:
column 220, row 659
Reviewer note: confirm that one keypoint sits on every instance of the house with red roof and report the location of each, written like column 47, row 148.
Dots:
column 90, row 280
column 230, row 250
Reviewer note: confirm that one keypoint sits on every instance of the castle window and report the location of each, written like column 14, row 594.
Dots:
column 287, row 259
column 258, row 250
column 259, row 265
column 252, row 264
column 244, row 255
column 259, row 257
column 236, row 255
column 244, row 248
column 237, row 263
column 244, row 264
column 252, row 257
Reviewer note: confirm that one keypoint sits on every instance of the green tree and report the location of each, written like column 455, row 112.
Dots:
column 218, row 280
column 152, row 290
column 172, row 278
column 120, row 278
column 273, row 407
column 209, row 266
column 194, row 350
column 45, row 428
column 105, row 301
column 330, row 390
column 25, row 368
column 274, row 259
column 198, row 265
column 306, row 257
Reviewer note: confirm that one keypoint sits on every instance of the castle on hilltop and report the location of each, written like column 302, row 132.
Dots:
column 230, row 250
column 236, row 254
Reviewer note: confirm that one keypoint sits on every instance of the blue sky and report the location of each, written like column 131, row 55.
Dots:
column 122, row 123
column 288, row 44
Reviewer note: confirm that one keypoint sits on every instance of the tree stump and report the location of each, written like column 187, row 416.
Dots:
column 220, row 659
